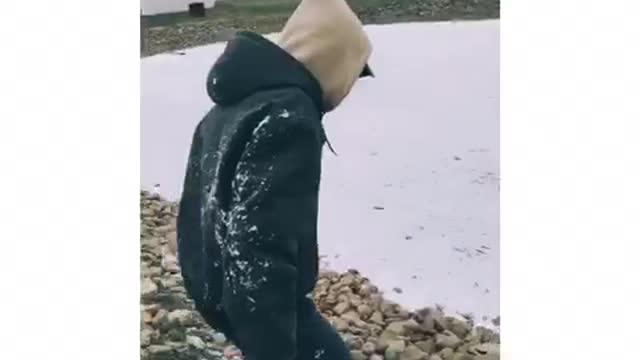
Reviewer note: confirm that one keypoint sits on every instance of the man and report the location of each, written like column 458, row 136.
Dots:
column 247, row 241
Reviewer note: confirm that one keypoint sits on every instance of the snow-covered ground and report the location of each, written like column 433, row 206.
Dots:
column 412, row 199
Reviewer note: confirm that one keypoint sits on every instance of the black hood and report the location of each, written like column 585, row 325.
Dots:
column 251, row 63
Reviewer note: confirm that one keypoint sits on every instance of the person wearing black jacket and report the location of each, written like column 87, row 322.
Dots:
column 247, row 223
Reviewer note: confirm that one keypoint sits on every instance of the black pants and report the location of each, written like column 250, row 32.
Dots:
column 317, row 339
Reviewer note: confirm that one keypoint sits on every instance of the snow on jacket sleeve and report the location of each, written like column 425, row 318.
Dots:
column 273, row 209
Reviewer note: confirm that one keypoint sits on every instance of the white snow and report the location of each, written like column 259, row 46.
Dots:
column 420, row 140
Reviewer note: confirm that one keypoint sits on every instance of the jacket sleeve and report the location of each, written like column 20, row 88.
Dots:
column 188, row 222
column 273, row 208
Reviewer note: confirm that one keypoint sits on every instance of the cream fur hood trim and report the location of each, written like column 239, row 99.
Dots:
column 328, row 38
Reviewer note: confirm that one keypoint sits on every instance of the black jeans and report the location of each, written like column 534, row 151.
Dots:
column 317, row 339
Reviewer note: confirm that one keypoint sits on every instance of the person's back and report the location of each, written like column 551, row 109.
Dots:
column 247, row 223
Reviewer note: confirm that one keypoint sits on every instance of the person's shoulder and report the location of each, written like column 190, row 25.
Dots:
column 289, row 100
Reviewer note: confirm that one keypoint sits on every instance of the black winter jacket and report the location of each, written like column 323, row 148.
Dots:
column 247, row 223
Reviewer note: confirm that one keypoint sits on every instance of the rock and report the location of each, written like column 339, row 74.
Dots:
column 394, row 349
column 435, row 357
column 487, row 357
column 160, row 349
column 397, row 328
column 459, row 327
column 446, row 354
column 463, row 356
column 341, row 308
column 351, row 316
column 381, row 345
column 485, row 349
column 181, row 317
column 376, row 357
column 148, row 289
column 403, row 314
column 169, row 263
column 161, row 319
column 428, row 346
column 146, row 317
column 430, row 319
column 358, row 355
column 354, row 343
column 176, row 335
column 145, row 337
column 377, row 318
column 231, row 352
column 219, row 338
column 196, row 342
column 496, row 321
column 150, row 308
column 368, row 348
column 340, row 324
column 412, row 352
column 447, row 339
column 364, row 310
column 411, row 325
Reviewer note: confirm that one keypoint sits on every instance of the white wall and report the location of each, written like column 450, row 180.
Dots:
column 152, row 7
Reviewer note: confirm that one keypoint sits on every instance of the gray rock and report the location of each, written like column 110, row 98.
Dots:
column 181, row 317
column 487, row 335
column 435, row 357
column 369, row 348
column 148, row 289
column 145, row 337
column 376, row 357
column 364, row 310
column 394, row 349
column 459, row 327
column 160, row 349
column 176, row 335
column 196, row 342
column 428, row 346
column 487, row 357
column 377, row 318
column 446, row 354
column 354, row 343
column 447, row 339
column 413, row 352
column 463, row 356
column 341, row 308
column 351, row 316
column 219, row 338
column 485, row 349
column 161, row 319
column 358, row 355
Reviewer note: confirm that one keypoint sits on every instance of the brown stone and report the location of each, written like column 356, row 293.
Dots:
column 364, row 310
column 340, row 324
column 351, row 316
column 377, row 318
column 341, row 308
